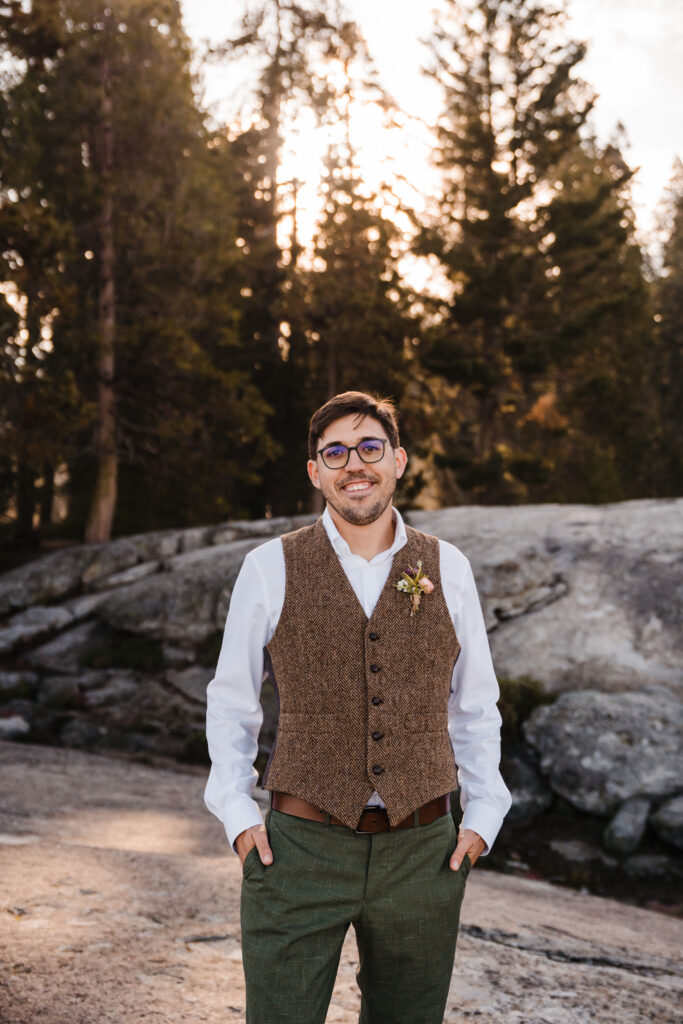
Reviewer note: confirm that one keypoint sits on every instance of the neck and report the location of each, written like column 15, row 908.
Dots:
column 367, row 541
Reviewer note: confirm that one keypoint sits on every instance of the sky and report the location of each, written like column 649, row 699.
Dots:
column 634, row 62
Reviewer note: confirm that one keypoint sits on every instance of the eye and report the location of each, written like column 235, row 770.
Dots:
column 335, row 452
column 371, row 446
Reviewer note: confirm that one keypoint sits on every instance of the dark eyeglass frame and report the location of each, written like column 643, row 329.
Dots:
column 354, row 448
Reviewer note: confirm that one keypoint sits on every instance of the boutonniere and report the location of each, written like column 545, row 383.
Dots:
column 415, row 583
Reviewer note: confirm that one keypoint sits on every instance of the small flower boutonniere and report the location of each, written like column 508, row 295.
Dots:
column 415, row 583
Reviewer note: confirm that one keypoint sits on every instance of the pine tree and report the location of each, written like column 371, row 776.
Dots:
column 288, row 42
column 668, row 301
column 349, row 312
column 113, row 151
column 511, row 111
column 594, row 424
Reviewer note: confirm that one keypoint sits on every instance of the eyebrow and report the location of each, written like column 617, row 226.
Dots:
column 368, row 437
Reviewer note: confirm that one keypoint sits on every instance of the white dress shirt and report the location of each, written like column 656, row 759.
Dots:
column 234, row 714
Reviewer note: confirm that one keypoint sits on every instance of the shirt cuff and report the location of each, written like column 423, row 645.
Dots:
column 246, row 814
column 484, row 820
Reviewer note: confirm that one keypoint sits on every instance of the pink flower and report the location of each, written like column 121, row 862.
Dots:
column 414, row 583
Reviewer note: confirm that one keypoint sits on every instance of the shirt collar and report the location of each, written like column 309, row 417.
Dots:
column 342, row 548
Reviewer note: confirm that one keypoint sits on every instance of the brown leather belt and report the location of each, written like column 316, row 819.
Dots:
column 372, row 820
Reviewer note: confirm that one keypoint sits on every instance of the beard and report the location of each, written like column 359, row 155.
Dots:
column 358, row 515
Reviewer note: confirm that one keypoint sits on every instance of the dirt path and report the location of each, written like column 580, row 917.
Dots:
column 120, row 903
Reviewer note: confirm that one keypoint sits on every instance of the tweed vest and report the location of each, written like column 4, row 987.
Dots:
column 363, row 702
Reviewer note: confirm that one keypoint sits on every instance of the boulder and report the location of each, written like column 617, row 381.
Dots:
column 648, row 866
column 178, row 657
column 195, row 538
column 530, row 794
column 64, row 653
column 225, row 534
column 115, row 688
column 47, row 578
column 31, row 625
column 14, row 726
column 579, row 596
column 83, row 605
column 184, row 606
column 25, row 720
column 600, row 749
column 668, row 821
column 626, row 829
column 131, row 575
column 109, row 559
column 191, row 682
column 156, row 545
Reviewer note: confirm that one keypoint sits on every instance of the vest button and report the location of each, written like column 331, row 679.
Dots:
column 377, row 735
column 377, row 769
column 374, row 636
column 376, row 701
column 374, row 668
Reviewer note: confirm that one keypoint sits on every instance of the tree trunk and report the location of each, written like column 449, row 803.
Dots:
column 26, row 500
column 104, row 498
column 47, row 493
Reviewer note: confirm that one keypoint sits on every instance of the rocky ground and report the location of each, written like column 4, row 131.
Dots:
column 121, row 904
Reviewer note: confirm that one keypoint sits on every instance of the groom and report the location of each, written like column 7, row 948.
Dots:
column 387, row 703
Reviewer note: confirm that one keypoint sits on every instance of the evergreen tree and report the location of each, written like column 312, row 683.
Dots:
column 668, row 300
column 103, row 139
column 289, row 43
column 594, row 423
column 511, row 111
column 348, row 310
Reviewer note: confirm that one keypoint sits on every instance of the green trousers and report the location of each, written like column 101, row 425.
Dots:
column 395, row 888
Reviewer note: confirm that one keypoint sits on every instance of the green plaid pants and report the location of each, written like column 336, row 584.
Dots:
column 395, row 888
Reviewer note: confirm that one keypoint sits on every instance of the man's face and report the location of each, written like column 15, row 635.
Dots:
column 361, row 491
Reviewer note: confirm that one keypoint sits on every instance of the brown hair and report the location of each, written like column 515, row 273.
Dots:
column 381, row 409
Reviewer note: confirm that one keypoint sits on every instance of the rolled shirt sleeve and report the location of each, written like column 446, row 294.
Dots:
column 233, row 710
column 474, row 719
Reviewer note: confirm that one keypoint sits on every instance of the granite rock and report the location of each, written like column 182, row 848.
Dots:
column 579, row 596
column 191, row 682
column 185, row 605
column 668, row 821
column 33, row 624
column 626, row 829
column 600, row 749
column 530, row 795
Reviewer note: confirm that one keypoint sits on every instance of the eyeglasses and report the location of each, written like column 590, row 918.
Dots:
column 336, row 456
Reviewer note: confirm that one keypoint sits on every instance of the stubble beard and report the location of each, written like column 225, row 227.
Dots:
column 360, row 516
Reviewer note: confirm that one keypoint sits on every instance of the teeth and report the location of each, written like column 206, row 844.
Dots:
column 358, row 487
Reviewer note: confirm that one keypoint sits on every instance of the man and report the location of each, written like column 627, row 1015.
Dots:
column 374, row 638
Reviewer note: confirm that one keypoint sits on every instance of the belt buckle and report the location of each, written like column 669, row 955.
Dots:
column 364, row 831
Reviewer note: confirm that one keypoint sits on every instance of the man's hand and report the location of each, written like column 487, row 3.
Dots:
column 468, row 842
column 254, row 836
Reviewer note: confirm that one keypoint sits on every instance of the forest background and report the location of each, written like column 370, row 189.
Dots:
column 166, row 327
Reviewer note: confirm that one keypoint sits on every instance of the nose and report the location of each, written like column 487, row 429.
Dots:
column 359, row 464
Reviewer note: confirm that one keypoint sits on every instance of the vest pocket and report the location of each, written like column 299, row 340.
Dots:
column 305, row 724
column 434, row 722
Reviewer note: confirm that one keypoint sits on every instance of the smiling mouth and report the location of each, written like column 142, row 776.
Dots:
column 358, row 487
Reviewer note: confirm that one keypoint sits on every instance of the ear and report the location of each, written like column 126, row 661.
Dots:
column 401, row 457
column 312, row 467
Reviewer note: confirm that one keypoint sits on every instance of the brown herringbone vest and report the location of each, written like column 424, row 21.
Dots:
column 363, row 702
